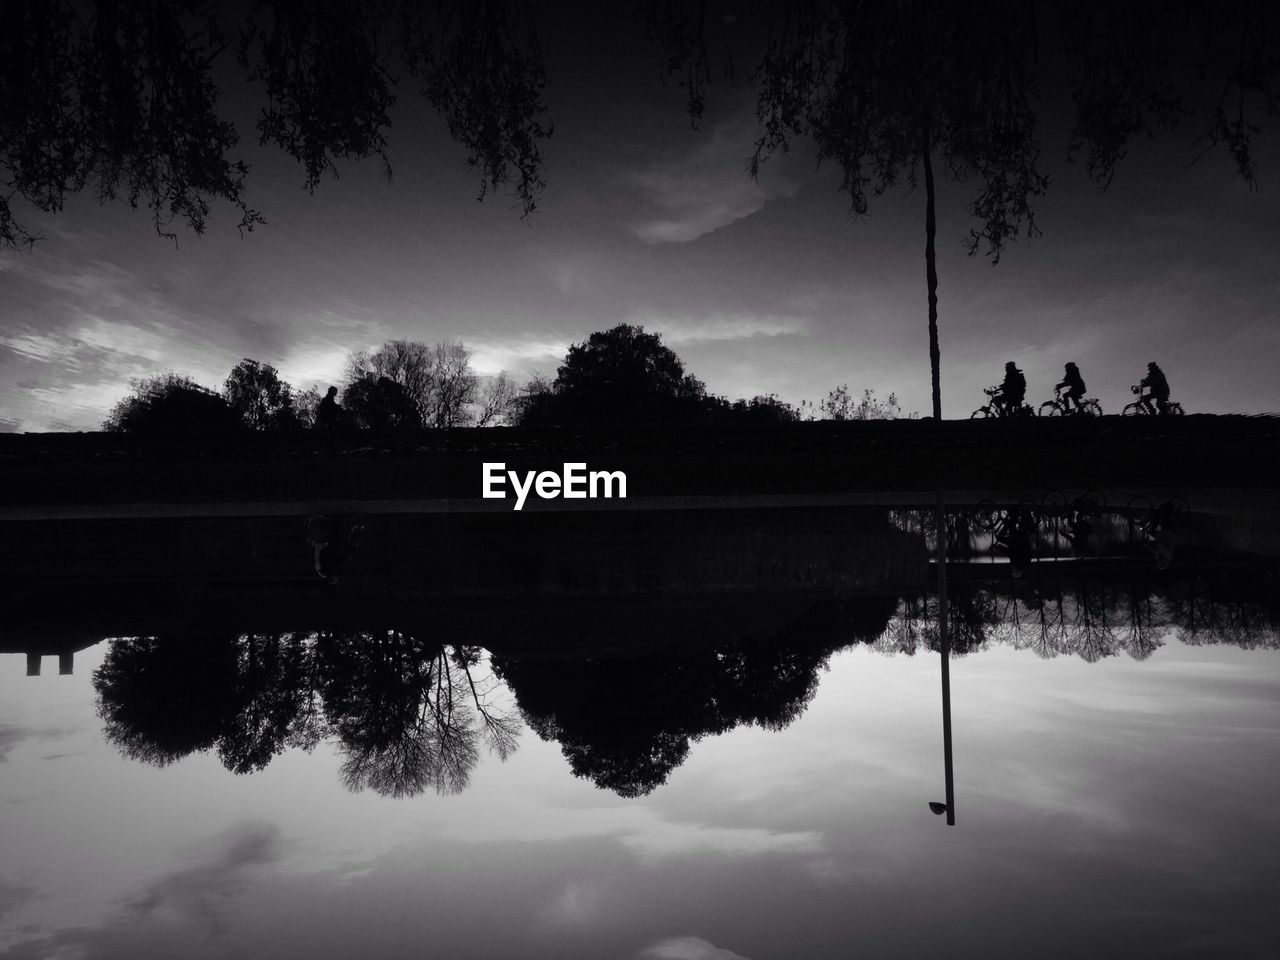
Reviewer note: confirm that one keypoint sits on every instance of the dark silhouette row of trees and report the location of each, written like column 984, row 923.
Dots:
column 1092, row 619
column 407, row 714
column 410, row 715
column 622, row 376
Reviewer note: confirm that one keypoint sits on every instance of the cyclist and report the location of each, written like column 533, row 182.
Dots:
column 1012, row 390
column 1074, row 384
column 1158, row 385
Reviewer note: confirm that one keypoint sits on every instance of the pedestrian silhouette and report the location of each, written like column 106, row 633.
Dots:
column 328, row 412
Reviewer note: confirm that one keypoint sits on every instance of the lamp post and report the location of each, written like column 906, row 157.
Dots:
column 944, row 641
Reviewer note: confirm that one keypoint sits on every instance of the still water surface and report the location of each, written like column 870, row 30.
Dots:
column 1116, row 800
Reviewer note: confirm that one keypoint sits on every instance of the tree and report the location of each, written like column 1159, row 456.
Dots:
column 438, row 380
column 170, row 405
column 262, row 400
column 497, row 402
column 621, row 375
column 121, row 97
column 885, row 87
column 380, row 403
column 454, row 385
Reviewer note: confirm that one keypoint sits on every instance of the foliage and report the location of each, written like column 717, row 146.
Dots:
column 839, row 405
column 763, row 409
column 617, row 376
column 120, row 98
column 260, row 397
column 169, row 405
column 438, row 381
column 380, row 403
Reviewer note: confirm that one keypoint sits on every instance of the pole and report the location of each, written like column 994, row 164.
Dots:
column 945, row 643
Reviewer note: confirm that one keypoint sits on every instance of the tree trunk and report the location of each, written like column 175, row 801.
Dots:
column 931, row 270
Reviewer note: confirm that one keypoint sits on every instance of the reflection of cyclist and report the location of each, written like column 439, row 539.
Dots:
column 1012, row 390
column 1074, row 384
column 1158, row 387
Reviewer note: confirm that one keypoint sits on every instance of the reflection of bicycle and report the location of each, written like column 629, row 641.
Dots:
column 1060, row 406
column 1147, row 521
column 994, row 408
column 1146, row 404
column 1073, row 520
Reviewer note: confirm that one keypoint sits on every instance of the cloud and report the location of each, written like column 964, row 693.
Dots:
column 697, row 195
column 161, row 915
column 720, row 327
column 686, row 948
column 527, row 352
column 12, row 735
column 647, row 836
column 664, row 841
column 200, row 890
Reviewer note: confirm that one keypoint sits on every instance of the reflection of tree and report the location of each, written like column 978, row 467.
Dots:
column 399, row 707
column 408, row 714
column 1244, row 611
column 274, row 701
column 160, row 700
column 627, row 723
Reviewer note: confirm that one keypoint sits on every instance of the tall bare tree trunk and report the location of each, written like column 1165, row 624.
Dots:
column 931, row 269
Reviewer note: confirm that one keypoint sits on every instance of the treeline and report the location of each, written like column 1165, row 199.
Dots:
column 621, row 376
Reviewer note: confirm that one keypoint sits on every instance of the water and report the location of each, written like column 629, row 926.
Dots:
column 366, row 790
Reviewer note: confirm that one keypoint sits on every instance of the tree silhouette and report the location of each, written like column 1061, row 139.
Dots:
column 380, row 403
column 886, row 88
column 621, row 376
column 121, row 98
column 407, row 714
column 260, row 397
column 627, row 723
column 439, row 380
column 170, row 405
column 162, row 699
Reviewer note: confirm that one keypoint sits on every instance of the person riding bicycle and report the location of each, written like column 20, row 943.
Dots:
column 1158, row 387
column 1074, row 384
column 1012, row 390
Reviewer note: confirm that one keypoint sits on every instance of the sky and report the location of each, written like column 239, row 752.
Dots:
column 767, row 287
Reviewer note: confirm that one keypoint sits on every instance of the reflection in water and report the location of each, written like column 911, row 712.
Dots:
column 1094, row 618
column 408, row 715
column 625, row 724
column 411, row 715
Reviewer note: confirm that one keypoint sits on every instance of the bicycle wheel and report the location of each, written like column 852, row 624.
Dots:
column 1092, row 408
column 1053, row 503
column 980, row 414
column 1175, row 409
column 1050, row 408
column 1132, row 410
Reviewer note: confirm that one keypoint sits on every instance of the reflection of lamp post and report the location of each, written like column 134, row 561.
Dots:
column 949, row 808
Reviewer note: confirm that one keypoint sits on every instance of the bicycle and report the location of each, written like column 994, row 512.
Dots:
column 1059, row 406
column 1145, row 405
column 993, row 409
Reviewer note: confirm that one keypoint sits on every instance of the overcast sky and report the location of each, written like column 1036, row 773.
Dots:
column 766, row 287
